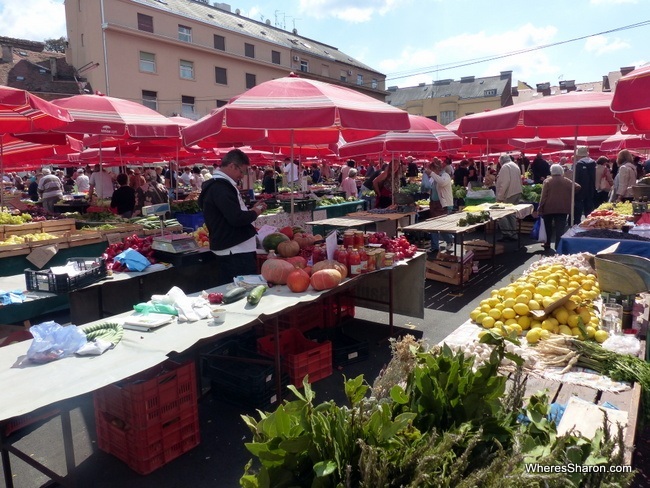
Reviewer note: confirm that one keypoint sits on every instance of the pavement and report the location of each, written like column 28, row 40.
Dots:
column 219, row 459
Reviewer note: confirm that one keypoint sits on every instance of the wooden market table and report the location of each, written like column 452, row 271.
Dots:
column 456, row 269
column 25, row 391
column 386, row 222
column 560, row 392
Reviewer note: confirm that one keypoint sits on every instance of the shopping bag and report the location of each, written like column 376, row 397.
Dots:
column 534, row 234
column 542, row 231
column 54, row 341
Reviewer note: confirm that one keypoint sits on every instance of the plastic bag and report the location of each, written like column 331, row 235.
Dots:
column 542, row 231
column 133, row 260
column 534, row 234
column 53, row 341
column 155, row 307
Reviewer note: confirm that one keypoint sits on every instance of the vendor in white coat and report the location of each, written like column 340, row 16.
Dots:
column 509, row 190
column 443, row 185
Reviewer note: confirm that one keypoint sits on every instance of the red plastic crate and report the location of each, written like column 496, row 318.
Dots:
column 145, row 450
column 152, row 397
column 338, row 308
column 300, row 356
column 302, row 318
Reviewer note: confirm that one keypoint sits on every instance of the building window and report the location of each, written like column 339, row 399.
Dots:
column 447, row 116
column 249, row 50
column 275, row 57
column 187, row 107
column 221, row 103
column 145, row 23
column 359, row 79
column 187, row 70
column 490, row 93
column 147, row 62
column 251, row 80
column 219, row 42
column 344, row 75
column 221, row 75
column 374, row 83
column 304, row 65
column 184, row 33
column 150, row 99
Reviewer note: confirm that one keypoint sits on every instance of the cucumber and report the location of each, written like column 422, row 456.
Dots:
column 255, row 295
column 235, row 294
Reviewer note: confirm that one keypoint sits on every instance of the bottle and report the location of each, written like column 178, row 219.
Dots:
column 342, row 258
column 363, row 256
column 348, row 238
column 354, row 262
column 358, row 239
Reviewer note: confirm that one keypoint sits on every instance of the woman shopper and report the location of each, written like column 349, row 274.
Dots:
column 626, row 176
column 387, row 184
column 555, row 204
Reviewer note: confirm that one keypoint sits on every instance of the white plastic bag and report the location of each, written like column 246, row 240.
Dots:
column 542, row 231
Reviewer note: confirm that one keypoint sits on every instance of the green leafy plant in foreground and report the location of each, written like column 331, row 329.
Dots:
column 433, row 420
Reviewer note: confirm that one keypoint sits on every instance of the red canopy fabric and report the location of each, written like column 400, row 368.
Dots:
column 18, row 154
column 425, row 136
column 566, row 115
column 114, row 117
column 298, row 111
column 631, row 101
column 620, row 141
column 20, row 111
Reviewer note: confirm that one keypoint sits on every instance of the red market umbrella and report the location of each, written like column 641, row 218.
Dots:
column 631, row 101
column 298, row 111
column 20, row 111
column 567, row 115
column 17, row 153
column 425, row 136
column 620, row 141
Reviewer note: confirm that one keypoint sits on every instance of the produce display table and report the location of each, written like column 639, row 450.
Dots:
column 571, row 243
column 386, row 222
column 283, row 219
column 458, row 272
column 28, row 386
column 332, row 211
column 627, row 399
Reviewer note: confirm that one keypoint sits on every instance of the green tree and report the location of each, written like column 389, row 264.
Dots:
column 56, row 45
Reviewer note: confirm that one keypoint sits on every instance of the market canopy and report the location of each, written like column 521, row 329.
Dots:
column 631, row 101
column 296, row 111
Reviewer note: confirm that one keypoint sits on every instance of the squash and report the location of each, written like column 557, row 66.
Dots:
column 330, row 264
column 298, row 281
column 272, row 240
column 288, row 249
column 325, row 279
column 304, row 240
column 287, row 231
column 276, row 271
column 297, row 261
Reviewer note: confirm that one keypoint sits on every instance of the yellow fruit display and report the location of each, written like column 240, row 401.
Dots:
column 533, row 336
column 601, row 336
column 488, row 322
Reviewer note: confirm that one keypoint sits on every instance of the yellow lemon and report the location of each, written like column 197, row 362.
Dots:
column 508, row 313
column 554, row 321
column 591, row 331
column 521, row 308
column 481, row 333
column 474, row 313
column 511, row 321
column 537, row 297
column 566, row 330
column 573, row 271
column 548, row 325
column 534, row 305
column 534, row 323
column 587, row 285
column 509, row 302
column 524, row 322
column 547, row 301
column 495, row 313
column 492, row 301
column 480, row 317
column 523, row 298
column 585, row 315
column 517, row 328
column 498, row 324
column 510, row 293
column 544, row 334
column 576, row 332
column 488, row 322
column 570, row 305
column 601, row 336
column 533, row 336
column 485, row 307
column 562, row 315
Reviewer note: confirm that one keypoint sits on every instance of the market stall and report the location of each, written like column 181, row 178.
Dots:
column 577, row 239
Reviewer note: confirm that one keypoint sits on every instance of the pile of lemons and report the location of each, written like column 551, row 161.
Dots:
column 508, row 310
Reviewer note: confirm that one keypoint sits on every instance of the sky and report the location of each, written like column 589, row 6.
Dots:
column 419, row 41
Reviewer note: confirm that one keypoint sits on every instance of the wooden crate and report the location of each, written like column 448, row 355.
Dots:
column 448, row 268
column 83, row 238
column 483, row 249
column 61, row 225
column 168, row 230
column 21, row 230
column 526, row 227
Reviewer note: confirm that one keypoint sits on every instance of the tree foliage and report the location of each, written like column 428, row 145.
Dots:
column 56, row 45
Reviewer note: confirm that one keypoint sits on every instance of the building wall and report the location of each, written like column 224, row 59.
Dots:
column 124, row 42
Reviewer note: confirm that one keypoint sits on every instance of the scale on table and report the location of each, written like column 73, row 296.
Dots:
column 171, row 243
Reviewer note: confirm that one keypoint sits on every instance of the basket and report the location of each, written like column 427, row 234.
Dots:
column 640, row 191
column 45, row 280
column 152, row 397
column 299, row 205
column 300, row 356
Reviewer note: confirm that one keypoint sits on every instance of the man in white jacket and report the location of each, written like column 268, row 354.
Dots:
column 509, row 190
column 443, row 183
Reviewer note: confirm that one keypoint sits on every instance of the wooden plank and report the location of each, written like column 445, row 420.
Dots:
column 582, row 392
column 630, row 402
column 535, row 384
column 61, row 225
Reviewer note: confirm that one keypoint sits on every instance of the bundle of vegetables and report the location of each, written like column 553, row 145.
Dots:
column 325, row 202
column 99, row 216
column 474, row 218
column 423, row 202
column 621, row 208
column 99, row 227
column 110, row 332
column 459, row 191
column 140, row 244
column 410, row 189
column 531, row 193
column 153, row 222
column 431, row 420
column 187, row 206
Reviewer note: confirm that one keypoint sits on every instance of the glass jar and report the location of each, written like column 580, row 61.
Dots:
column 354, row 262
column 348, row 238
column 363, row 256
column 358, row 239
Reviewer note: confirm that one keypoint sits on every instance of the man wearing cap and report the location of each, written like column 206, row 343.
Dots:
column 50, row 189
column 82, row 181
column 585, row 176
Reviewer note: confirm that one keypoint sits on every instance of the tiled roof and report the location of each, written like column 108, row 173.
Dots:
column 31, row 71
column 205, row 12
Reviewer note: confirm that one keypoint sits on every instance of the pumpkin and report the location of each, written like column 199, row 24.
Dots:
column 287, row 231
column 330, row 264
column 304, row 240
column 325, row 279
column 272, row 240
column 288, row 249
column 276, row 271
column 318, row 237
column 307, row 270
column 298, row 281
column 297, row 261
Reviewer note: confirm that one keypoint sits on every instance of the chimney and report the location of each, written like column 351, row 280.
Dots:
column 505, row 74
column 606, row 87
column 7, row 54
column 626, row 69
column 53, row 68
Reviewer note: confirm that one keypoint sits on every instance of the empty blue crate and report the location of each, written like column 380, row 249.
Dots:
column 190, row 221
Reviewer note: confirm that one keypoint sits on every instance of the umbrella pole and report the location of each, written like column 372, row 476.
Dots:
column 292, row 183
column 573, row 178
column 2, row 173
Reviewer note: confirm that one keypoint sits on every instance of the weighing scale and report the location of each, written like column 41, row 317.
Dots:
column 170, row 243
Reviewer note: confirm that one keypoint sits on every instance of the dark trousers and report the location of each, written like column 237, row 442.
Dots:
column 555, row 223
column 582, row 207
column 235, row 265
